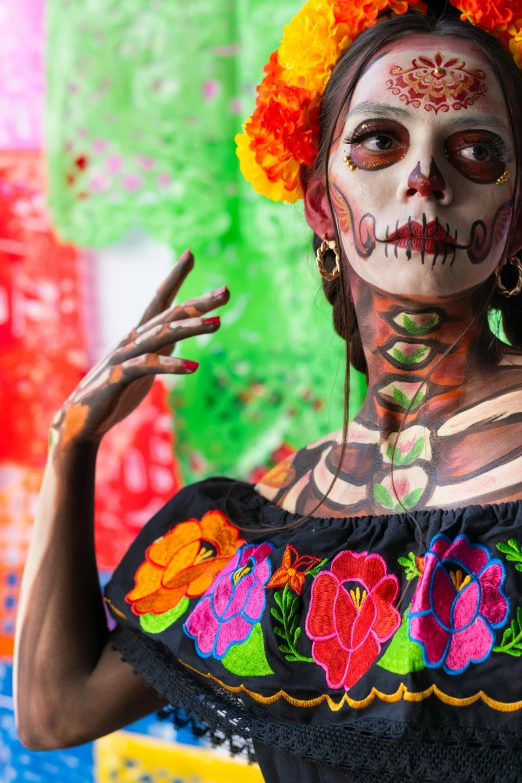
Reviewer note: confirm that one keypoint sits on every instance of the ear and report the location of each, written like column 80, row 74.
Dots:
column 316, row 208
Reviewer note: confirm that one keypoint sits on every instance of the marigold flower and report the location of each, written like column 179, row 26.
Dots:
column 283, row 132
column 310, row 49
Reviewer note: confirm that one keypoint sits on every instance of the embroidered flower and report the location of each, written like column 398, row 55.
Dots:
column 293, row 569
column 226, row 614
column 458, row 602
column 351, row 613
column 182, row 563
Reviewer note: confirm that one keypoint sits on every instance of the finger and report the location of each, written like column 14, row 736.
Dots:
column 191, row 309
column 169, row 288
column 166, row 334
column 152, row 363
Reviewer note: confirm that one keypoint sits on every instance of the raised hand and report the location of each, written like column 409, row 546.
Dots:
column 120, row 381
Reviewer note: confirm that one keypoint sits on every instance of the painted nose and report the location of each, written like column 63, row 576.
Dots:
column 427, row 186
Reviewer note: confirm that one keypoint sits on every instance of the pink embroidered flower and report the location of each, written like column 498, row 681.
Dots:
column 458, row 602
column 227, row 612
column 351, row 613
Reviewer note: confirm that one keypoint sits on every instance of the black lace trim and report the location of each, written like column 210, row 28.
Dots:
column 388, row 749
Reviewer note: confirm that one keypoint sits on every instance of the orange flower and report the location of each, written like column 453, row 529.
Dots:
column 499, row 17
column 283, row 132
column 182, row 563
column 293, row 573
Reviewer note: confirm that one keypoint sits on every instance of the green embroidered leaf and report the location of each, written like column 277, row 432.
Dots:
column 279, row 632
column 297, row 634
column 410, row 565
column 248, row 658
column 402, row 656
column 415, row 357
column 512, row 638
column 508, row 633
column 412, row 498
column 277, row 598
column 414, row 328
column 315, row 570
column 519, row 566
column 511, row 550
column 402, row 400
column 276, row 614
column 285, row 649
column 155, row 623
column 382, row 496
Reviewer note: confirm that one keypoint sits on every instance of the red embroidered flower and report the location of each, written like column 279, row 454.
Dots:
column 351, row 613
column 293, row 569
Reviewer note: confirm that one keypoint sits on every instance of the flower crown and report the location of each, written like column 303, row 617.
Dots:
column 283, row 132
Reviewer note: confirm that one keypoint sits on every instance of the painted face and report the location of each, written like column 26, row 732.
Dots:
column 428, row 130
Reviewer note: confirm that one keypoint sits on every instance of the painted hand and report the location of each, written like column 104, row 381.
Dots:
column 120, row 381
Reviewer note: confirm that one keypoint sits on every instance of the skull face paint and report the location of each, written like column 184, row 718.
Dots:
column 422, row 213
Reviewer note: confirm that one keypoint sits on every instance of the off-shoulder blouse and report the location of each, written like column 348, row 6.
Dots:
column 361, row 649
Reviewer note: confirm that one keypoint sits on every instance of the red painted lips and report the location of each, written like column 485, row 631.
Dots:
column 432, row 233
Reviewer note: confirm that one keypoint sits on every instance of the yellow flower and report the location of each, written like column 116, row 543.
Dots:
column 515, row 46
column 255, row 174
column 310, row 49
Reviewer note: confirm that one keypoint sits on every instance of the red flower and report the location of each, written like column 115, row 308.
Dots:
column 293, row 573
column 351, row 612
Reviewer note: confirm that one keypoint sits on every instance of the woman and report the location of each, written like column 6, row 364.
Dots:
column 357, row 615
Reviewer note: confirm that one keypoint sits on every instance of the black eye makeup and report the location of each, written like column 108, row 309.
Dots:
column 479, row 155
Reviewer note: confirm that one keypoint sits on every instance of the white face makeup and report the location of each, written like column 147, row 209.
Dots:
column 429, row 133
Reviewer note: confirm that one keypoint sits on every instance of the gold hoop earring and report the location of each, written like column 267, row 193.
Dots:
column 321, row 250
column 503, row 178
column 518, row 287
column 349, row 162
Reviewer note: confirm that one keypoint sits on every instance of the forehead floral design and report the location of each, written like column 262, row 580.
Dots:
column 282, row 133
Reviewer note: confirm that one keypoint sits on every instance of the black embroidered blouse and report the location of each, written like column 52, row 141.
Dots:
column 331, row 651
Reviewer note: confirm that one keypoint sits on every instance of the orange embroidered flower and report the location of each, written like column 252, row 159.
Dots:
column 293, row 569
column 182, row 563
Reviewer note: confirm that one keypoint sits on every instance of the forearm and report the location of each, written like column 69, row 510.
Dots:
column 61, row 626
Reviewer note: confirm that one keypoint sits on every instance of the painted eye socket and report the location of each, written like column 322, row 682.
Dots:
column 480, row 156
column 376, row 144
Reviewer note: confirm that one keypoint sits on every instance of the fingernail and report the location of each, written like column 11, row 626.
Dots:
column 188, row 365
column 219, row 291
column 216, row 319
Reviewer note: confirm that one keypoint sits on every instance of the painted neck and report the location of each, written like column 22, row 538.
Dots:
column 404, row 338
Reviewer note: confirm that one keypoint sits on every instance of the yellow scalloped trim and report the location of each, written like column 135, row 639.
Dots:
column 401, row 692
